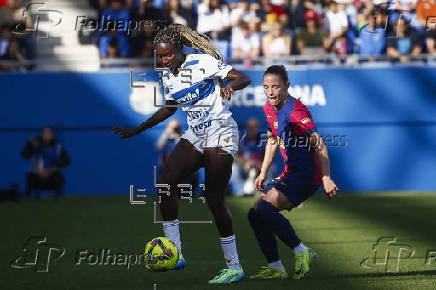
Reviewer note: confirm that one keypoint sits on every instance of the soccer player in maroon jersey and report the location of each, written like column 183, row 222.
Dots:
column 290, row 128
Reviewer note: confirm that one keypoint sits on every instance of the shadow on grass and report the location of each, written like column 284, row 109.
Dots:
column 411, row 214
column 388, row 274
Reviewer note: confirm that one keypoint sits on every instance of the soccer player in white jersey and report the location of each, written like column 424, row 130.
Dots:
column 211, row 140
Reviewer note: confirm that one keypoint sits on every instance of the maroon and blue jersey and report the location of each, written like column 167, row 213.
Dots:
column 290, row 126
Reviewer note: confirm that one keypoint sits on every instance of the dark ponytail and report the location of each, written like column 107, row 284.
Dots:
column 277, row 70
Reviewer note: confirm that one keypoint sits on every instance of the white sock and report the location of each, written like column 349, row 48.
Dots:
column 230, row 253
column 300, row 248
column 277, row 265
column 171, row 231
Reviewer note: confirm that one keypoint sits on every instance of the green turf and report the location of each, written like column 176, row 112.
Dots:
column 343, row 231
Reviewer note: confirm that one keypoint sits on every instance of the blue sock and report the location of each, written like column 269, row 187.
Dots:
column 264, row 235
column 279, row 224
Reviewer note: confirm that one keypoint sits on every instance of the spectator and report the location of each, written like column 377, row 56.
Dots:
column 151, row 20
column 116, row 12
column 403, row 42
column 299, row 10
column 242, row 13
column 113, row 43
column 246, row 43
column 9, row 50
column 178, row 14
column 5, row 40
column 146, row 11
column 214, row 20
column 276, row 43
column 48, row 157
column 337, row 25
column 142, row 40
column 403, row 9
column 12, row 15
column 312, row 40
column 269, row 13
column 430, row 40
column 111, row 39
column 372, row 39
column 382, row 19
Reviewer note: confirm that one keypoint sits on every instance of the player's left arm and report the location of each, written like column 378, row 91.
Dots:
column 305, row 126
column 238, row 81
column 214, row 68
column 330, row 187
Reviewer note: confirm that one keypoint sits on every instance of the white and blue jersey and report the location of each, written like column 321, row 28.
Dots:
column 197, row 89
column 197, row 86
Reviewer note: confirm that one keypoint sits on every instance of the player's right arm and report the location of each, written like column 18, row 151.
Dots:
column 157, row 117
column 270, row 151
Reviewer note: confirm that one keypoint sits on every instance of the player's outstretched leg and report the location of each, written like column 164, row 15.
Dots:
column 266, row 239
column 267, row 209
column 183, row 160
column 218, row 169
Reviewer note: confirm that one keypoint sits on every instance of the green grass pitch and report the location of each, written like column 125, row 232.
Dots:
column 342, row 230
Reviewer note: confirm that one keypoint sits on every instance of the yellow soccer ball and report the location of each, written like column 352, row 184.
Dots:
column 161, row 254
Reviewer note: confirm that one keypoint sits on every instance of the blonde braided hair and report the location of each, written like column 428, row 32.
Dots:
column 178, row 35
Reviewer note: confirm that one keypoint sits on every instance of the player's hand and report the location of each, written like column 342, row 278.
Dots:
column 124, row 132
column 258, row 183
column 330, row 188
column 226, row 93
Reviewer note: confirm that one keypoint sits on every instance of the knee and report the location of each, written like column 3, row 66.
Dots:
column 258, row 199
column 265, row 208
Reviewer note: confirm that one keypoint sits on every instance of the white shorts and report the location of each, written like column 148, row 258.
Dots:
column 220, row 134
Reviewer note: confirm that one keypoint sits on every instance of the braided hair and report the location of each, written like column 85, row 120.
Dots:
column 178, row 35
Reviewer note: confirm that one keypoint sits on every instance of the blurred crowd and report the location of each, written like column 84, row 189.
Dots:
column 247, row 29
column 15, row 45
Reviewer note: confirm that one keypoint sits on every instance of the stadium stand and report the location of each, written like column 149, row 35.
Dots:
column 88, row 35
